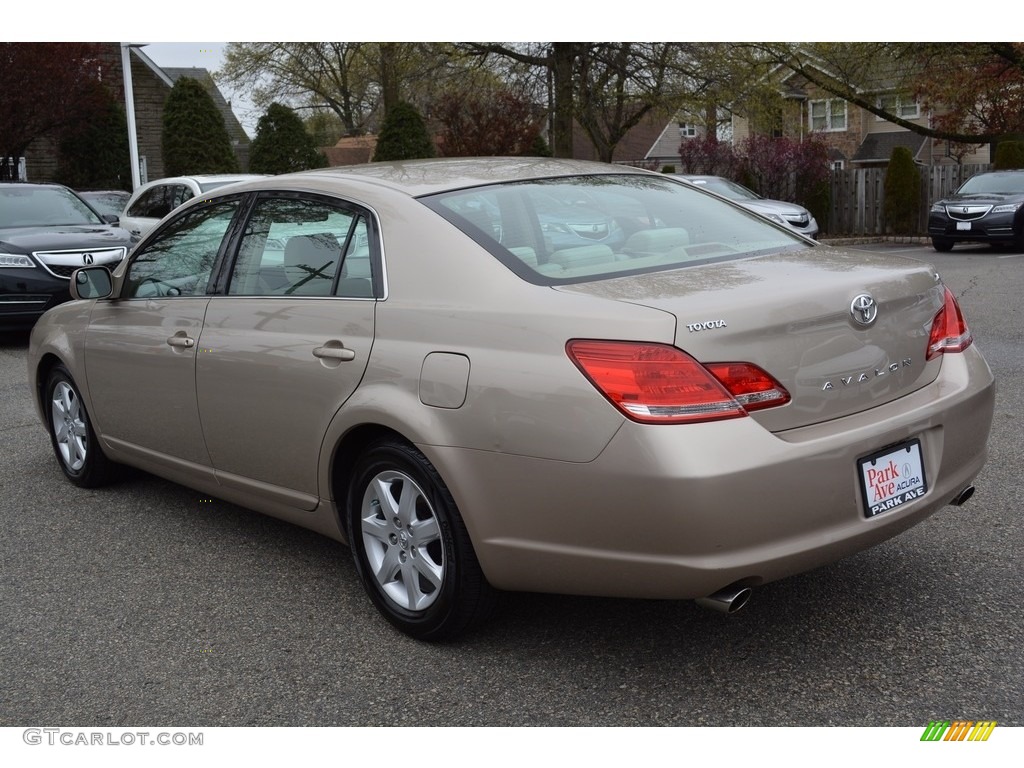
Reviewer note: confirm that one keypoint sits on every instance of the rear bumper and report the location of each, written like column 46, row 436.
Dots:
column 680, row 512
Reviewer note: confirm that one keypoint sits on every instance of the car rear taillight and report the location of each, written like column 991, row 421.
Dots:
column 949, row 329
column 660, row 384
column 753, row 387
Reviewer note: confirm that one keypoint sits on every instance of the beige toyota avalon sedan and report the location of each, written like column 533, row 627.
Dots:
column 521, row 374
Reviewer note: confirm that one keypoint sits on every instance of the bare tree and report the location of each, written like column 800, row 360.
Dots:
column 358, row 82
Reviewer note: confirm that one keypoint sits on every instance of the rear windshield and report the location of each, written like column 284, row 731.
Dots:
column 580, row 228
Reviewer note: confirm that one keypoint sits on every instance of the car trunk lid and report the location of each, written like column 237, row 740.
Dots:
column 801, row 317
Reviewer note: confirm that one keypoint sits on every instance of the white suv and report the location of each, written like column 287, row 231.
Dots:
column 152, row 201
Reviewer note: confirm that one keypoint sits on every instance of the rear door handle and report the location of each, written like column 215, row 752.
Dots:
column 181, row 341
column 334, row 353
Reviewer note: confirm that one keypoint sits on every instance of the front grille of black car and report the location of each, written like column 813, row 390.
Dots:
column 967, row 212
column 62, row 263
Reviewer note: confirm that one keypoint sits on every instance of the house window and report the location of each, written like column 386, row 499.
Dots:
column 838, row 165
column 828, row 115
column 901, row 106
column 13, row 169
column 687, row 130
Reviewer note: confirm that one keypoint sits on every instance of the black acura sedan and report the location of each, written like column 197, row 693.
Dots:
column 987, row 208
column 46, row 232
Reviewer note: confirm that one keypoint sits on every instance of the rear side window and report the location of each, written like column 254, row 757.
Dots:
column 573, row 229
column 303, row 247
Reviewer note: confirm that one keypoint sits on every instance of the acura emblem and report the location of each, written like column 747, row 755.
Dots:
column 87, row 258
column 966, row 209
column 864, row 309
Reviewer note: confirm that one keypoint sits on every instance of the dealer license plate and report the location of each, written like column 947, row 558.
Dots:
column 965, row 225
column 892, row 477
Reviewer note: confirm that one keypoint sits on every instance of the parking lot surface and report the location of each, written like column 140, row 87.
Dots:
column 147, row 603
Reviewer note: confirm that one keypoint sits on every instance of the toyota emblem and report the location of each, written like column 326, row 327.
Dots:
column 864, row 309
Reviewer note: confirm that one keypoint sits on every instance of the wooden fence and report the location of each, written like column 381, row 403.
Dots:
column 858, row 196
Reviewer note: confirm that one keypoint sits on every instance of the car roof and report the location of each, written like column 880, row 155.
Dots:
column 36, row 185
column 199, row 178
column 426, row 177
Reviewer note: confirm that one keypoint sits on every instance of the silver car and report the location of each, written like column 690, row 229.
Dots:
column 790, row 214
column 415, row 359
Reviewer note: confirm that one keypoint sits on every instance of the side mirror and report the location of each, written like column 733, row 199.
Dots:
column 91, row 283
column 111, row 218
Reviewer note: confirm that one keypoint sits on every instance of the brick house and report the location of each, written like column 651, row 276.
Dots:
column 151, row 86
column 856, row 137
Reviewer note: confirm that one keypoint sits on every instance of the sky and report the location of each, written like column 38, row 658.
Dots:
column 209, row 56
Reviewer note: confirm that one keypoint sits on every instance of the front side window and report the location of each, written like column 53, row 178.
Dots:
column 179, row 194
column 180, row 260
column 296, row 246
column 154, row 203
column 828, row 115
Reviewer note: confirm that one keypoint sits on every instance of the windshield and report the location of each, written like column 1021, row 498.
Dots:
column 993, row 183
column 579, row 228
column 28, row 206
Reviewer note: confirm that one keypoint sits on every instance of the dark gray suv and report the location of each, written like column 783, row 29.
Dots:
column 987, row 208
column 46, row 233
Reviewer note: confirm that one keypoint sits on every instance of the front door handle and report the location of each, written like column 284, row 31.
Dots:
column 181, row 341
column 334, row 353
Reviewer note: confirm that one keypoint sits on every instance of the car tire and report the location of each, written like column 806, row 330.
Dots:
column 942, row 244
column 74, row 442
column 411, row 548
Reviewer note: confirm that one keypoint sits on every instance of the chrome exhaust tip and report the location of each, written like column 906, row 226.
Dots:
column 728, row 600
column 961, row 498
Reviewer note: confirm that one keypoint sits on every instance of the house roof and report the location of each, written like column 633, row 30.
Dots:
column 160, row 73
column 878, row 147
column 634, row 146
column 351, row 150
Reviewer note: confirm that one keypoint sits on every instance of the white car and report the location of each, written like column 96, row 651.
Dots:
column 152, row 201
column 795, row 216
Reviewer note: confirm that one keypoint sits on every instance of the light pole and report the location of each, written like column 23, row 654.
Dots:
column 129, row 105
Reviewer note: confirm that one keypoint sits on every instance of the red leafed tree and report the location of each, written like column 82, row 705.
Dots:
column 45, row 87
column 974, row 88
column 486, row 123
